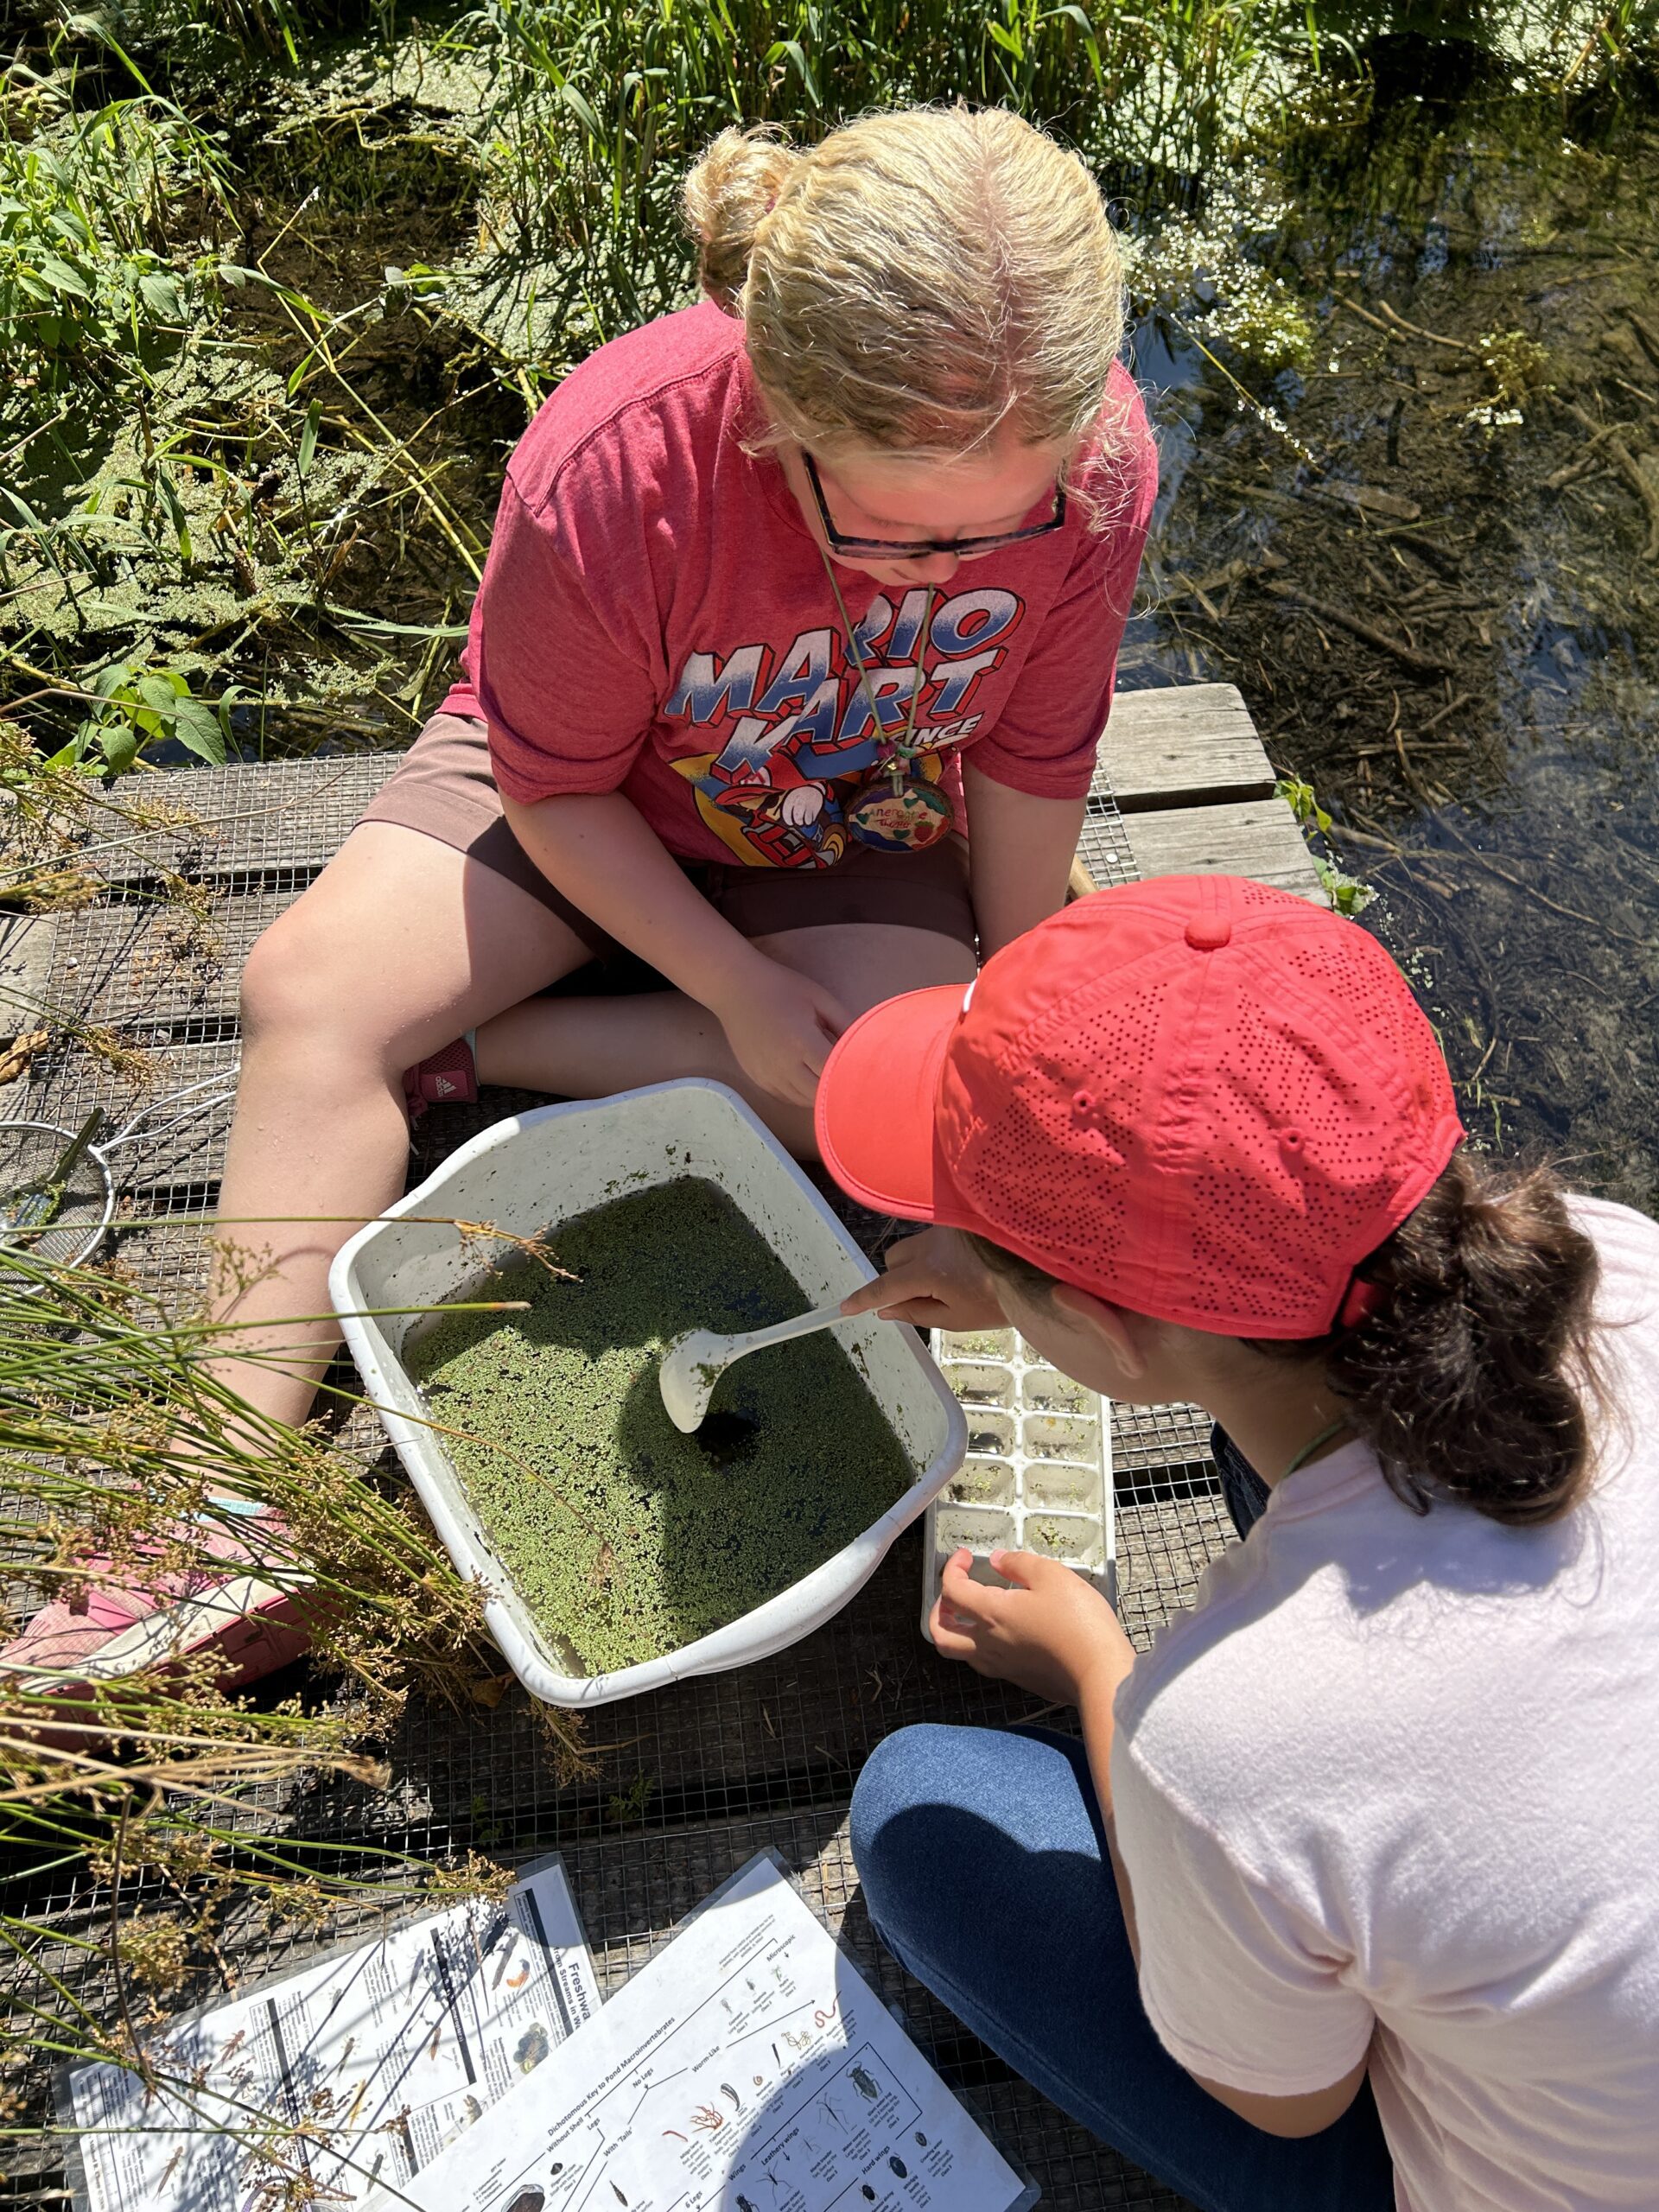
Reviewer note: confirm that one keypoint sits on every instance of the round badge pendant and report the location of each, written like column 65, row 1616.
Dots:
column 907, row 820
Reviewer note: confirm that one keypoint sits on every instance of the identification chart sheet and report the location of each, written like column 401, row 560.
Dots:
column 747, row 2068
column 386, row 2054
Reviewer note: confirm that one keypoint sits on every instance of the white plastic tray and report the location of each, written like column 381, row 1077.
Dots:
column 540, row 1168
column 1038, row 1474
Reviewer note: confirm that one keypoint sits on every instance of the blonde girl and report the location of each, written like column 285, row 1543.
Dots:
column 786, row 673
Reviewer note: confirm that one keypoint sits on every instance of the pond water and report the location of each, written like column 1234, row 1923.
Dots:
column 1468, row 467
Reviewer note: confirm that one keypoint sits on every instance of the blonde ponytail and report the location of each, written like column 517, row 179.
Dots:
column 915, row 281
column 727, row 194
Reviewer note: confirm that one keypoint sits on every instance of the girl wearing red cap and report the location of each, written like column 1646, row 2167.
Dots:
column 1346, row 1897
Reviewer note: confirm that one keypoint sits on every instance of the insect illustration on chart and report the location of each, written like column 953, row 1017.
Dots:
column 708, row 2120
column 727, row 2090
column 617, row 2195
column 899, row 2168
column 675, row 2132
column 866, row 2083
column 921, row 2138
column 833, row 2114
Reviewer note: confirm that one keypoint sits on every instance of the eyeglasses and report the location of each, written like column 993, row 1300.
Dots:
column 917, row 549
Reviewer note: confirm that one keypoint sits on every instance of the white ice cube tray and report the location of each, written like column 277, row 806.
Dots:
column 1038, row 1477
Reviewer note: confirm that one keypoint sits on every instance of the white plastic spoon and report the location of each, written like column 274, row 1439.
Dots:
column 693, row 1364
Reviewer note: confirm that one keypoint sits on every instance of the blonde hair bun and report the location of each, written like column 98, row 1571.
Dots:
column 727, row 196
column 916, row 280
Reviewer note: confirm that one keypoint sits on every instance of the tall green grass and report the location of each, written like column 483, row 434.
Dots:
column 597, row 113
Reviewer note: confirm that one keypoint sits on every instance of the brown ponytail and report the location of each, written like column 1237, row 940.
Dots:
column 1470, row 1379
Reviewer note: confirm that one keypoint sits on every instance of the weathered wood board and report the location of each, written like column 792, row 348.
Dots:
column 1255, row 837
column 1192, row 745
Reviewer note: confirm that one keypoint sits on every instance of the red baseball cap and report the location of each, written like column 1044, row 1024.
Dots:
column 1200, row 1099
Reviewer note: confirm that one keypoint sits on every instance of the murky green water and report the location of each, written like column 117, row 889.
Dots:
column 1506, row 803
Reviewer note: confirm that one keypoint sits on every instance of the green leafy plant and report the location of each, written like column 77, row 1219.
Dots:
column 1348, row 895
column 91, row 282
column 138, row 706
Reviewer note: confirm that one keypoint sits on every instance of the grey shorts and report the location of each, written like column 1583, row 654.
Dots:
column 445, row 790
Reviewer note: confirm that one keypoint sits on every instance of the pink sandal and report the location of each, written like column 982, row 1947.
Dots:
column 249, row 1624
column 449, row 1078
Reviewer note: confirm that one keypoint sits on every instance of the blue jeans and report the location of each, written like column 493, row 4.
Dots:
column 985, row 1869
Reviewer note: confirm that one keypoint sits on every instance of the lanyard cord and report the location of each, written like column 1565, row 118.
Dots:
column 902, row 749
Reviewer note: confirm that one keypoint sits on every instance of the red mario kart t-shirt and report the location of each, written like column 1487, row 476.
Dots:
column 655, row 619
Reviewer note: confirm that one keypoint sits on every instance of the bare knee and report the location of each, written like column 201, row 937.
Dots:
column 297, row 995
column 283, row 992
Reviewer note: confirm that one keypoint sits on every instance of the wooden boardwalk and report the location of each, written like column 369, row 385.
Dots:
column 686, row 1784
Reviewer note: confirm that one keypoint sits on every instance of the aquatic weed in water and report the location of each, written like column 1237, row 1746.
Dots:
column 640, row 1539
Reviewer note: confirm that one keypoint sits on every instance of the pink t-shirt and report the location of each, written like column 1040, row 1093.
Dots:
column 655, row 619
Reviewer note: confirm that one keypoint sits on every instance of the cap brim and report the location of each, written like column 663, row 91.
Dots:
column 876, row 1099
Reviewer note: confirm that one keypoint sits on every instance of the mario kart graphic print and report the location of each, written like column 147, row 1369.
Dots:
column 792, row 737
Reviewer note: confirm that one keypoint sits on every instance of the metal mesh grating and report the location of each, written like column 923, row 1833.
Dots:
column 683, row 1786
column 1103, row 847
column 233, row 825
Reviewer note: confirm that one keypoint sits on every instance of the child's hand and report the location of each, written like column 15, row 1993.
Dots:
column 780, row 1025
column 1049, row 1634
column 933, row 1281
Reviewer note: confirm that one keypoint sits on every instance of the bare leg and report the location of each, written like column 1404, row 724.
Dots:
column 400, row 945
column 587, row 1048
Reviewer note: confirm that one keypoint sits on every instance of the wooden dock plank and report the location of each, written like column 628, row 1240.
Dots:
column 1258, row 838
column 1189, row 745
column 25, row 971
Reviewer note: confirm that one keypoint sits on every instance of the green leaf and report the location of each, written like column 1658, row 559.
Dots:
column 308, row 437
column 161, row 296
column 579, row 107
column 66, row 224
column 160, row 692
column 119, row 743
column 108, row 681
column 62, row 279
column 791, row 49
column 196, row 726
column 370, row 626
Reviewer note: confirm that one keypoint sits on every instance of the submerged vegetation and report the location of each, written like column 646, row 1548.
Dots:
column 624, row 1538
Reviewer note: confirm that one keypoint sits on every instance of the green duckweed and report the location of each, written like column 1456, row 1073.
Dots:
column 637, row 1539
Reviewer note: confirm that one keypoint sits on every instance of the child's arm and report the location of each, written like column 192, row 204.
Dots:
column 1019, row 850
column 600, row 852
